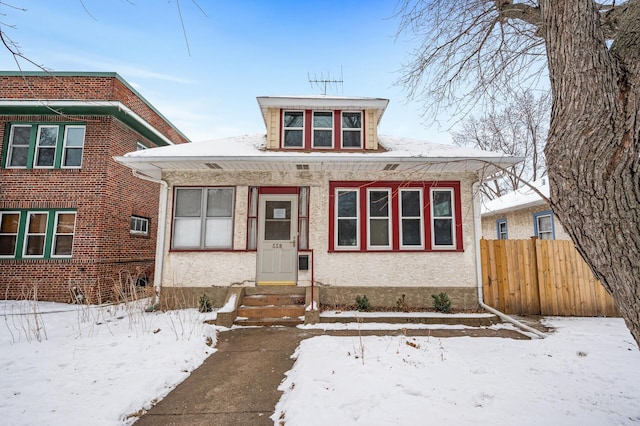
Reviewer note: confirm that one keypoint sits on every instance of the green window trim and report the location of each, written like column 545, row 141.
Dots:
column 50, row 232
column 61, row 148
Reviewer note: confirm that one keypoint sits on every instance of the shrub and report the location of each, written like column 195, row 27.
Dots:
column 204, row 304
column 402, row 304
column 362, row 303
column 441, row 302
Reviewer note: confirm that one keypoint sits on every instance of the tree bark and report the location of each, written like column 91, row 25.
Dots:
column 593, row 147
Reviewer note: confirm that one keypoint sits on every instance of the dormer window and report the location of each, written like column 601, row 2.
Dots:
column 293, row 127
column 352, row 130
column 322, row 129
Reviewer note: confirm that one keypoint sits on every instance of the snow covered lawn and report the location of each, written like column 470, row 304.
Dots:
column 586, row 373
column 79, row 365
column 72, row 365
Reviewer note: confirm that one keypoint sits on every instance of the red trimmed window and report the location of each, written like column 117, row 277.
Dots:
column 326, row 130
column 395, row 216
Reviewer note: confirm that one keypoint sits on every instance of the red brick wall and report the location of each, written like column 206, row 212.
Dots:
column 98, row 87
column 104, row 193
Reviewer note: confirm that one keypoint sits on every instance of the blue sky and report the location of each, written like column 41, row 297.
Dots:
column 237, row 51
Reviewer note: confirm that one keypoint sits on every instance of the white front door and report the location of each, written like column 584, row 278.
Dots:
column 277, row 239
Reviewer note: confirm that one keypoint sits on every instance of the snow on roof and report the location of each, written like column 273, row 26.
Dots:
column 255, row 146
column 521, row 198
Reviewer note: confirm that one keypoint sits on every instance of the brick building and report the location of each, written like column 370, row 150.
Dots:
column 71, row 218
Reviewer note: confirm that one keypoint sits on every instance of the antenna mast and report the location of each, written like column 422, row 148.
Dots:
column 323, row 82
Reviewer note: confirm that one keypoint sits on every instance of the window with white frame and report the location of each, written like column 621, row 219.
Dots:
column 35, row 234
column 501, row 226
column 9, row 223
column 411, row 219
column 139, row 225
column 443, row 235
column 64, row 229
column 293, row 128
column 140, row 146
column 45, row 146
column 543, row 225
column 73, row 146
column 18, row 151
column 372, row 214
column 379, row 214
column 203, row 218
column 347, row 217
column 322, row 129
column 352, row 129
column 46, row 234
column 46, row 142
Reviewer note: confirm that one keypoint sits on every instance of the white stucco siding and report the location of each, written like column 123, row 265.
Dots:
column 401, row 269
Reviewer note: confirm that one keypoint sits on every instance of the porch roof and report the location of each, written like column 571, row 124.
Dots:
column 248, row 153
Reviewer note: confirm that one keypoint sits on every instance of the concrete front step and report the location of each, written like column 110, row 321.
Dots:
column 273, row 300
column 271, row 311
column 267, row 322
column 479, row 320
column 275, row 289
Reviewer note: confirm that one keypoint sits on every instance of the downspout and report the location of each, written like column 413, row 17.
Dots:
column 162, row 216
column 477, row 234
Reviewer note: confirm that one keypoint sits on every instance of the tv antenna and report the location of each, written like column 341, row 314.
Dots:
column 322, row 82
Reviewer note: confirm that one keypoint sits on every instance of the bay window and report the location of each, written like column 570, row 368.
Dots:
column 203, row 218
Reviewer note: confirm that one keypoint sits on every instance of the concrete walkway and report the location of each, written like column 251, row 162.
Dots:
column 238, row 384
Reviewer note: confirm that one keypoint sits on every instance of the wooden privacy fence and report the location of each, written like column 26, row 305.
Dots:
column 541, row 277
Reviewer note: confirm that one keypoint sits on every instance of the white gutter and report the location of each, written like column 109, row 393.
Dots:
column 477, row 234
column 66, row 104
column 160, row 237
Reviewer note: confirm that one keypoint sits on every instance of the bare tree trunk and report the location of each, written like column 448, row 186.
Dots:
column 593, row 146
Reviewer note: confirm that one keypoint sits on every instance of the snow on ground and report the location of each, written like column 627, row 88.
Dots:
column 80, row 365
column 587, row 372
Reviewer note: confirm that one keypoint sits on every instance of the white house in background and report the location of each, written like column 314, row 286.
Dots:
column 522, row 214
column 320, row 199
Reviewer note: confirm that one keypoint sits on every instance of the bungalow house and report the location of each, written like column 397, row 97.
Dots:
column 522, row 214
column 321, row 200
column 74, row 224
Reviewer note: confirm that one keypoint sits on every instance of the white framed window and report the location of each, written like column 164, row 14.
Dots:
column 501, row 227
column 379, row 217
column 46, row 143
column 203, row 218
column 140, row 146
column 442, row 219
column 293, row 129
column 139, row 225
column 18, row 150
column 35, row 234
column 543, row 225
column 73, row 147
column 64, row 230
column 322, row 129
column 411, row 219
column 9, row 224
column 351, row 129
column 347, row 229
